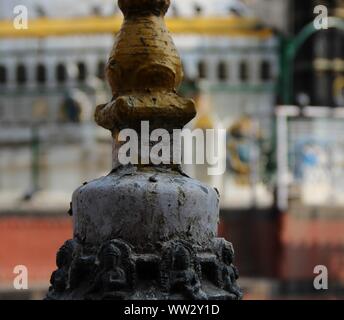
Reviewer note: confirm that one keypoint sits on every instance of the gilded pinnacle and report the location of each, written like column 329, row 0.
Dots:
column 144, row 71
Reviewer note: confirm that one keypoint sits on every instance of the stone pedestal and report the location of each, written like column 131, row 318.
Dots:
column 145, row 231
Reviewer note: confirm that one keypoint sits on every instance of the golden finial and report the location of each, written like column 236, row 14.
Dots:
column 144, row 72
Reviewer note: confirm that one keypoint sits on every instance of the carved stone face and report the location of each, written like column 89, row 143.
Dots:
column 182, row 260
column 227, row 255
column 60, row 259
column 65, row 255
column 111, row 257
column 111, row 262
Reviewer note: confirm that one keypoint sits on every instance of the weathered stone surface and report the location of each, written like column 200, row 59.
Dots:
column 145, row 207
column 114, row 271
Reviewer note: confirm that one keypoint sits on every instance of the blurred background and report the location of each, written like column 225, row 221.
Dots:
column 257, row 68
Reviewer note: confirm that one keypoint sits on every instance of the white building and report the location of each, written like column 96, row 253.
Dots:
column 63, row 8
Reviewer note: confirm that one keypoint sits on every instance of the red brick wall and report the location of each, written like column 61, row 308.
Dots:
column 286, row 247
column 33, row 242
column 255, row 237
column 308, row 242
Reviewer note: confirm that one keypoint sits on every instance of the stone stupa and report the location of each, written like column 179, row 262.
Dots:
column 145, row 231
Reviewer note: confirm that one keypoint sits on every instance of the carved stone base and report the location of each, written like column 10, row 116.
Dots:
column 113, row 271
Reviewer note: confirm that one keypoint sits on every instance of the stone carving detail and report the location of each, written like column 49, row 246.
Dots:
column 60, row 278
column 226, row 273
column 180, row 270
column 83, row 267
column 109, row 272
column 116, row 271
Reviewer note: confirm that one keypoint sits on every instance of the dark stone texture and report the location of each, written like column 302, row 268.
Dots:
column 114, row 271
